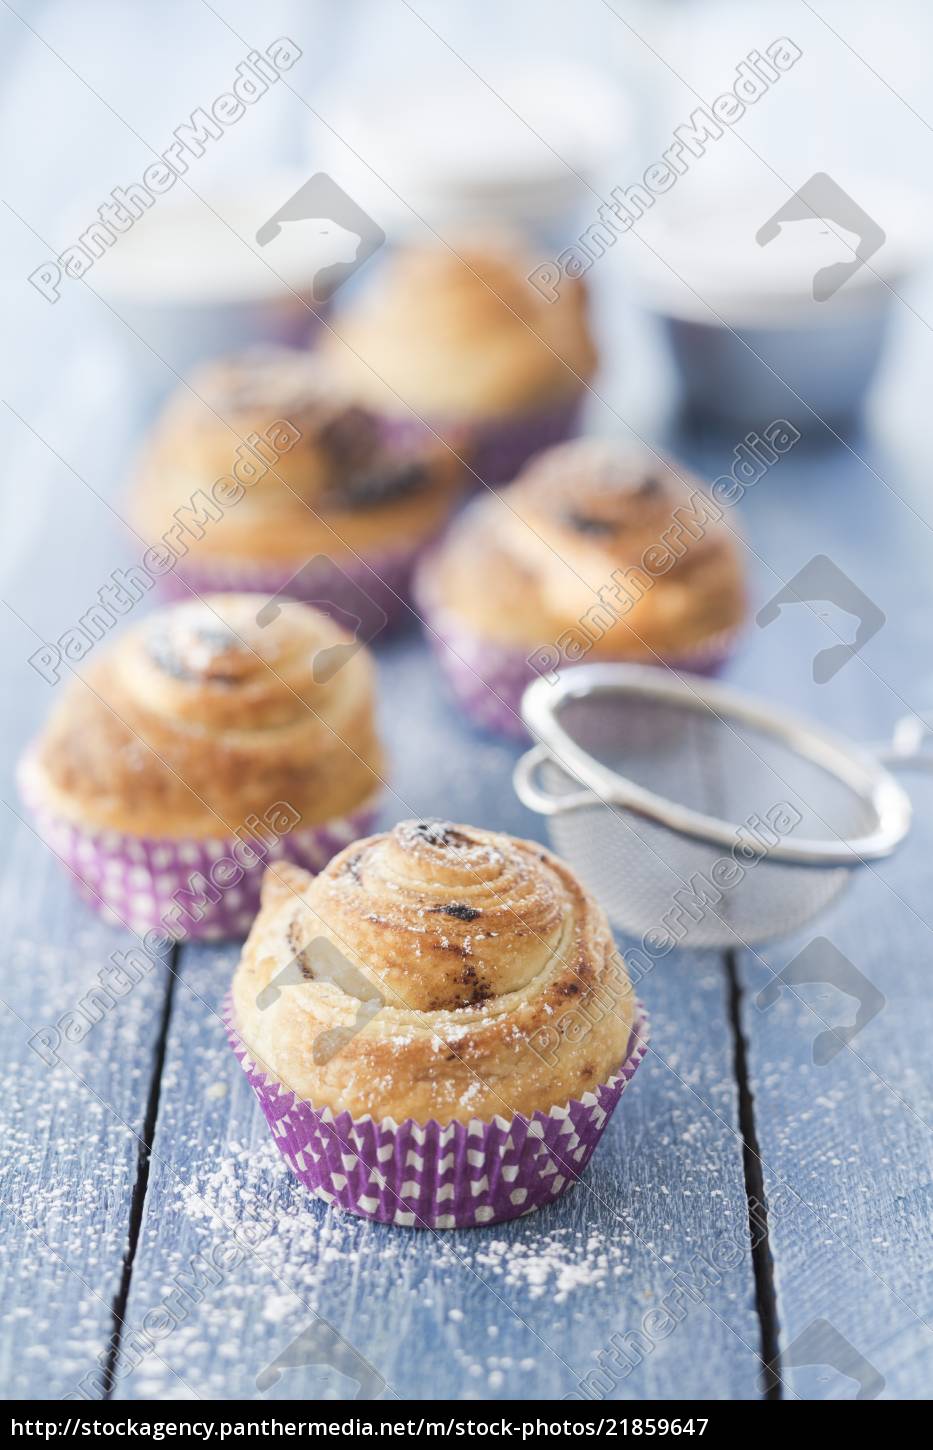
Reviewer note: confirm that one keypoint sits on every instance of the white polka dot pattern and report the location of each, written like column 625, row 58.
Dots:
column 195, row 889
column 425, row 1176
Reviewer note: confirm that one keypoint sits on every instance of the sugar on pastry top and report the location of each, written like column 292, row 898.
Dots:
column 492, row 979
column 200, row 717
column 311, row 464
column 590, row 528
column 461, row 333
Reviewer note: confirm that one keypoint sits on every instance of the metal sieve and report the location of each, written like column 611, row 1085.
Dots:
column 698, row 815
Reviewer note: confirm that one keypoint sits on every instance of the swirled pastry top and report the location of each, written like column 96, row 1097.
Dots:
column 297, row 461
column 462, row 334
column 624, row 549
column 475, row 977
column 201, row 717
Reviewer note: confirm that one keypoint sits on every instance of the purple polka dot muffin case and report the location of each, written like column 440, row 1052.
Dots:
column 593, row 553
column 437, row 1026
column 463, row 1175
column 204, row 745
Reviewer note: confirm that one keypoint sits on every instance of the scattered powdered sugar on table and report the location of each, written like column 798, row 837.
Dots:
column 278, row 1308
column 472, row 1292
column 292, row 1242
column 251, row 1186
column 555, row 1263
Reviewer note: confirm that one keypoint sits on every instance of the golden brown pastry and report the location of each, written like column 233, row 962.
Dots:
column 467, row 946
column 461, row 334
column 305, row 469
column 199, row 718
column 587, row 552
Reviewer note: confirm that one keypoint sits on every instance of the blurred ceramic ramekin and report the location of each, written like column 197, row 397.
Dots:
column 777, row 306
column 189, row 280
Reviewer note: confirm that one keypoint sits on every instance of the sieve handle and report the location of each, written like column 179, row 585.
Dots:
column 532, row 793
column 909, row 745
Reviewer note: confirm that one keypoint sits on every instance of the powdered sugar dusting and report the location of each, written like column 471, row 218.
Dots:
column 556, row 1264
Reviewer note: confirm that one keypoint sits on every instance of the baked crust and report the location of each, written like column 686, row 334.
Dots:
column 198, row 719
column 503, row 990
column 581, row 519
column 313, row 469
column 462, row 335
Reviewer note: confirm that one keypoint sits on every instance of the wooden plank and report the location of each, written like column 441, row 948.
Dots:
column 517, row 1311
column 663, row 1137
column 845, row 1144
column 71, row 1129
column 71, row 1173
column 72, row 1120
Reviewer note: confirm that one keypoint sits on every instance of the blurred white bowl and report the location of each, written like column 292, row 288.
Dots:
column 190, row 280
column 733, row 288
column 520, row 152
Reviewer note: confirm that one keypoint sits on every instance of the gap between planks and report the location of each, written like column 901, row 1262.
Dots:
column 141, row 1185
column 756, row 1200
column 762, row 1260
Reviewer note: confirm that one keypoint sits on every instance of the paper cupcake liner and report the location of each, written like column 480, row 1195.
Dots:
column 501, row 450
column 375, row 592
column 496, row 448
column 425, row 1176
column 134, row 881
column 488, row 679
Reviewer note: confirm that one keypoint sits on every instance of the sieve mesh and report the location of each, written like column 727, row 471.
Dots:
column 655, row 881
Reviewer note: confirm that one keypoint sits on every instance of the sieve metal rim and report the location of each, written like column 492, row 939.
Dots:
column 857, row 768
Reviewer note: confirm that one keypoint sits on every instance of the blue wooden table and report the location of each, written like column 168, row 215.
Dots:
column 755, row 1222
